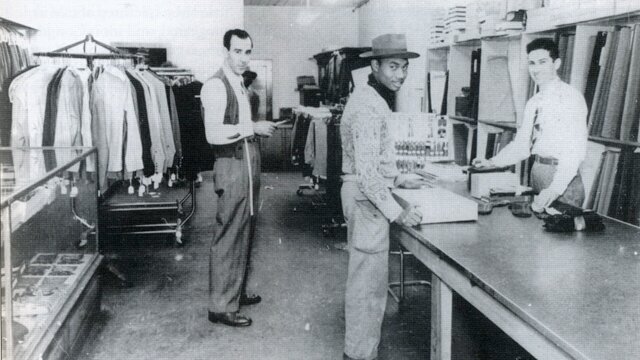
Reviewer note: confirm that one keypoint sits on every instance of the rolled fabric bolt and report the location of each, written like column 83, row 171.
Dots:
column 173, row 177
column 74, row 191
column 130, row 190
column 170, row 183
column 579, row 223
column 141, row 190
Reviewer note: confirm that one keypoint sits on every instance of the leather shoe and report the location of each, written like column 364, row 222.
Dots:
column 250, row 300
column 230, row 318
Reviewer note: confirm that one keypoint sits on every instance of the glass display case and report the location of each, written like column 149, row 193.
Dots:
column 49, row 249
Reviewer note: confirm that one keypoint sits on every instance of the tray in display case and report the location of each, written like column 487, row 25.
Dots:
column 49, row 249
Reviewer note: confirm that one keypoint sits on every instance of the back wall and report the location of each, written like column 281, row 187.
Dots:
column 290, row 35
column 190, row 30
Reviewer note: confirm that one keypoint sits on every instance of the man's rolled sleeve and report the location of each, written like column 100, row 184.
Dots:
column 574, row 147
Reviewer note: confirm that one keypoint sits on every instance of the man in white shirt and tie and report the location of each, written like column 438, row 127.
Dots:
column 553, row 130
column 236, row 176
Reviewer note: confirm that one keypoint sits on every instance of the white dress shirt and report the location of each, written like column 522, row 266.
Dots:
column 562, row 115
column 214, row 101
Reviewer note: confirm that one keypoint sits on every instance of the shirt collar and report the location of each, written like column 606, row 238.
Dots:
column 233, row 78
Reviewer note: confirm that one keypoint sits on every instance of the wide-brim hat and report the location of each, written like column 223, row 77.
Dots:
column 389, row 46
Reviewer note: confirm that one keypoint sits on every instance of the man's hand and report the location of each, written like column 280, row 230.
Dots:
column 544, row 199
column 410, row 216
column 482, row 163
column 410, row 181
column 264, row 128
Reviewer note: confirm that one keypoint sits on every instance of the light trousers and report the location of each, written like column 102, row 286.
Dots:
column 368, row 273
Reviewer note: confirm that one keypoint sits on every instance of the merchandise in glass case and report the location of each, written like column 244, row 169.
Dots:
column 49, row 249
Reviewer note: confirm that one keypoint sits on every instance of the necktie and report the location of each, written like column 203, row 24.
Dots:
column 535, row 132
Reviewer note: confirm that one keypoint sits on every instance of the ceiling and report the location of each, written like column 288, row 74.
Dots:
column 326, row 3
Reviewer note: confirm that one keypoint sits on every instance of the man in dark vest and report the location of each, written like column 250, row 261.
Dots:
column 236, row 177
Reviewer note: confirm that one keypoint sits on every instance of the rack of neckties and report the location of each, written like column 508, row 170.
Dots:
column 421, row 139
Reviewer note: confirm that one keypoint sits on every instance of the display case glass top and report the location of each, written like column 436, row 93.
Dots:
column 49, row 242
column 21, row 169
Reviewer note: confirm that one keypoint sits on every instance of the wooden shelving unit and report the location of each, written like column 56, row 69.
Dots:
column 500, row 124
column 505, row 85
column 464, row 119
column 613, row 142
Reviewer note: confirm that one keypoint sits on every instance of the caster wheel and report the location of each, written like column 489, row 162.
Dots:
column 299, row 192
column 178, row 237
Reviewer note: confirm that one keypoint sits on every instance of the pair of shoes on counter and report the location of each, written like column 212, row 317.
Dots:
column 520, row 209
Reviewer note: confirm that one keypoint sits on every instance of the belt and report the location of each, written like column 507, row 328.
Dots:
column 546, row 160
column 233, row 150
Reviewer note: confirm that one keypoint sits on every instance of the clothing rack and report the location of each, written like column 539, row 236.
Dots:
column 173, row 215
column 325, row 190
column 114, row 53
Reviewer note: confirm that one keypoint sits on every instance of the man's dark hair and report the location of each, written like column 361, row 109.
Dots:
column 226, row 40
column 545, row 44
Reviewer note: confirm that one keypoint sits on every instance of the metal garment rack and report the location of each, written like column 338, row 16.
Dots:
column 114, row 53
column 135, row 209
column 138, row 209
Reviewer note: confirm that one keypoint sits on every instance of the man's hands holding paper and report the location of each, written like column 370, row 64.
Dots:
column 264, row 128
column 482, row 163
column 410, row 181
column 410, row 216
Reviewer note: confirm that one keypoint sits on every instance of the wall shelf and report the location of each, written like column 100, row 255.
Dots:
column 439, row 46
column 500, row 124
column 613, row 142
column 464, row 119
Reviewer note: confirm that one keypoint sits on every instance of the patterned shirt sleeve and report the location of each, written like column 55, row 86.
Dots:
column 367, row 132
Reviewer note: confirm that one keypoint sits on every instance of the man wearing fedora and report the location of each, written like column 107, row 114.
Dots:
column 370, row 172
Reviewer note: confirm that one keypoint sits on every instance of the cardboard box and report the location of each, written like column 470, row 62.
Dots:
column 482, row 183
column 438, row 205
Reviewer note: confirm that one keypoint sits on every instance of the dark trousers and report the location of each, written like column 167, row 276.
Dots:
column 234, row 226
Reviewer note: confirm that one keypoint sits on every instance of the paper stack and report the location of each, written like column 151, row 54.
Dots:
column 436, row 32
column 438, row 205
column 455, row 23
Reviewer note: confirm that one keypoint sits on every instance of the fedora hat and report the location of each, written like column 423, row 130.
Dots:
column 389, row 45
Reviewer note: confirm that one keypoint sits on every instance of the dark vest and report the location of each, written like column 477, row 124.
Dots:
column 231, row 112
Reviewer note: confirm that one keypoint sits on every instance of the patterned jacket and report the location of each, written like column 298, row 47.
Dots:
column 368, row 154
